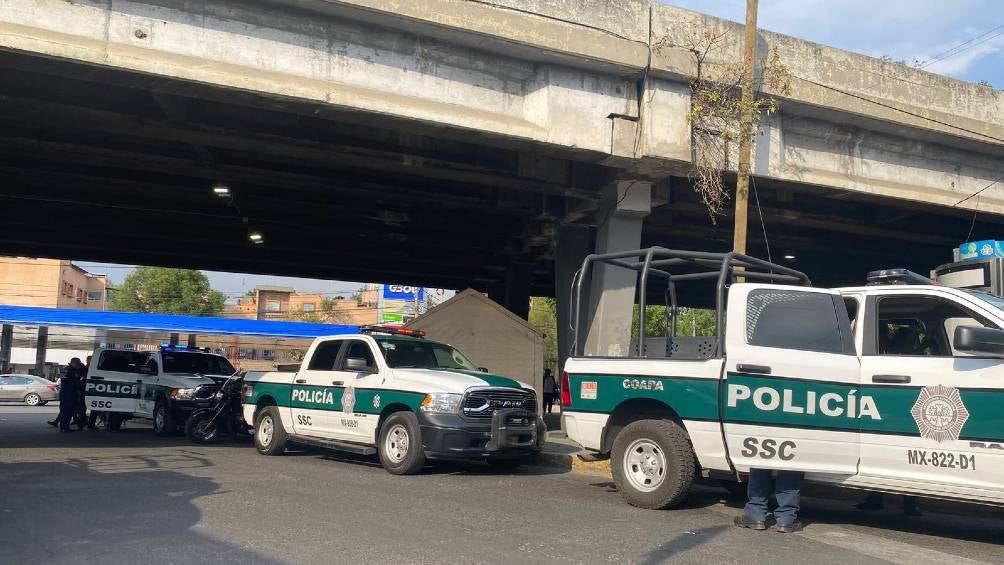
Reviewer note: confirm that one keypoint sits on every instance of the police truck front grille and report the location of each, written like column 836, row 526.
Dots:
column 481, row 404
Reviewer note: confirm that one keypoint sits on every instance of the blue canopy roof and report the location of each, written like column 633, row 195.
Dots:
column 35, row 316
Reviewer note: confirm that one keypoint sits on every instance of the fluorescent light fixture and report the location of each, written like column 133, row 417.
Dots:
column 221, row 190
column 789, row 257
column 256, row 237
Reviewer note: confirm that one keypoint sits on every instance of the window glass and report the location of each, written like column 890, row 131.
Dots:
column 121, row 361
column 191, row 363
column 95, row 295
column 20, row 381
column 402, row 354
column 4, row 380
column 273, row 306
column 791, row 319
column 921, row 325
column 308, row 307
column 325, row 356
column 359, row 350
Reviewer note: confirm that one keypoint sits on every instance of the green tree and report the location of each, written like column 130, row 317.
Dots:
column 166, row 291
column 689, row 322
column 544, row 317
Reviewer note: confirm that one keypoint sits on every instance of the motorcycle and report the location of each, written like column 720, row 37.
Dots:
column 225, row 416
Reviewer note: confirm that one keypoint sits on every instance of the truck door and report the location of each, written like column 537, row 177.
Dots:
column 112, row 381
column 357, row 401
column 147, row 380
column 314, row 400
column 791, row 395
column 942, row 419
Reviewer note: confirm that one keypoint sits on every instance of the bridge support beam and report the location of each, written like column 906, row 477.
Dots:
column 573, row 244
column 6, row 347
column 612, row 290
column 513, row 291
column 41, row 345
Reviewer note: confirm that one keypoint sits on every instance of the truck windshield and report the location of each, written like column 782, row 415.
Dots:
column 203, row 363
column 402, row 354
column 990, row 299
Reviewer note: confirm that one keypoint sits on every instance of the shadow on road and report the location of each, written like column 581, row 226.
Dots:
column 682, row 543
column 117, row 509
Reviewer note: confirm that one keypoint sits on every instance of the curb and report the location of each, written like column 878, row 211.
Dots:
column 571, row 462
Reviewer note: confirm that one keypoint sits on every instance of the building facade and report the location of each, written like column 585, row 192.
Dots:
column 285, row 303
column 51, row 283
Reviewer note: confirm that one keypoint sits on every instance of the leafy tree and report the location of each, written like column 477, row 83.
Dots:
column 166, row 291
column 689, row 322
column 544, row 317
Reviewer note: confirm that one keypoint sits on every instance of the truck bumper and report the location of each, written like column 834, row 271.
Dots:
column 509, row 434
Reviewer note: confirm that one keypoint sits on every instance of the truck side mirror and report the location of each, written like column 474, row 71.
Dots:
column 972, row 339
column 357, row 364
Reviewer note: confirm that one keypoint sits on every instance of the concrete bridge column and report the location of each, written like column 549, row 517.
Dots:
column 513, row 291
column 612, row 289
column 6, row 346
column 573, row 244
column 41, row 345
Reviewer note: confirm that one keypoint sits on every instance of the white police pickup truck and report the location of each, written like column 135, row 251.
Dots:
column 394, row 393
column 165, row 385
column 889, row 387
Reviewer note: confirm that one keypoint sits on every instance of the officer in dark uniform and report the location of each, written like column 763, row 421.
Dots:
column 70, row 390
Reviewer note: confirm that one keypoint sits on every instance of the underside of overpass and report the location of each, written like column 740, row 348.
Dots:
column 108, row 165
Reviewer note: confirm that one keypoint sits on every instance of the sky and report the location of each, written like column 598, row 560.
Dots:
column 905, row 30
column 908, row 30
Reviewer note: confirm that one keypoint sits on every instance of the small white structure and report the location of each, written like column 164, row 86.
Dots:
column 490, row 335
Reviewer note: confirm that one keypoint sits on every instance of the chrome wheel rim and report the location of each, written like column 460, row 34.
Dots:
column 205, row 429
column 158, row 419
column 265, row 431
column 644, row 465
column 32, row 399
column 397, row 442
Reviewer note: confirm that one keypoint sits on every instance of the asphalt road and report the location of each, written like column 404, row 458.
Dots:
column 130, row 497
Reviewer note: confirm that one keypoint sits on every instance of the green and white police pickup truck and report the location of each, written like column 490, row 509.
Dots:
column 894, row 386
column 165, row 385
column 394, row 393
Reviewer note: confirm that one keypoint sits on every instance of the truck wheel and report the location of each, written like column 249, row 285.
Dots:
column 400, row 444
column 269, row 435
column 653, row 463
column 163, row 421
column 32, row 399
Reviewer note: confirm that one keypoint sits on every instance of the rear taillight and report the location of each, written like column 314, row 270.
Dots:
column 52, row 388
column 566, row 391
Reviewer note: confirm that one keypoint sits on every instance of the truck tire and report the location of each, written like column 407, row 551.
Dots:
column 653, row 463
column 400, row 444
column 269, row 435
column 163, row 420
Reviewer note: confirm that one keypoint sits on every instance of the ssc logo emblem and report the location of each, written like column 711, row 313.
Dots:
column 376, row 401
column 940, row 413
column 349, row 400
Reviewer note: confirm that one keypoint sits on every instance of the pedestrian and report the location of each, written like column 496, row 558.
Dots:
column 70, row 389
column 80, row 418
column 784, row 485
column 550, row 390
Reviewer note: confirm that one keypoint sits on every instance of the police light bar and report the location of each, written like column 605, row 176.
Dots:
column 391, row 330
column 898, row 276
column 180, row 347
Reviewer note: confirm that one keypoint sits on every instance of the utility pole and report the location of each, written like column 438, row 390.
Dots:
column 745, row 134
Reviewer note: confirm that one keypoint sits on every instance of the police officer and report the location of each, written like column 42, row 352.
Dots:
column 785, row 486
column 70, row 389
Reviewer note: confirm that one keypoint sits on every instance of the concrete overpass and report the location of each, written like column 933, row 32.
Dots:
column 485, row 143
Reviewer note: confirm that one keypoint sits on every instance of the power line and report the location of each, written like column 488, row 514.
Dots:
column 962, row 47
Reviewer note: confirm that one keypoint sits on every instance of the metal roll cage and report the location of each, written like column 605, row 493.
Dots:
column 726, row 268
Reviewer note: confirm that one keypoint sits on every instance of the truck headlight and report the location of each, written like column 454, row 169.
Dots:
column 183, row 393
column 442, row 402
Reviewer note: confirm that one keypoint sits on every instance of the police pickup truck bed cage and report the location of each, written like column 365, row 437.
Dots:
column 675, row 266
